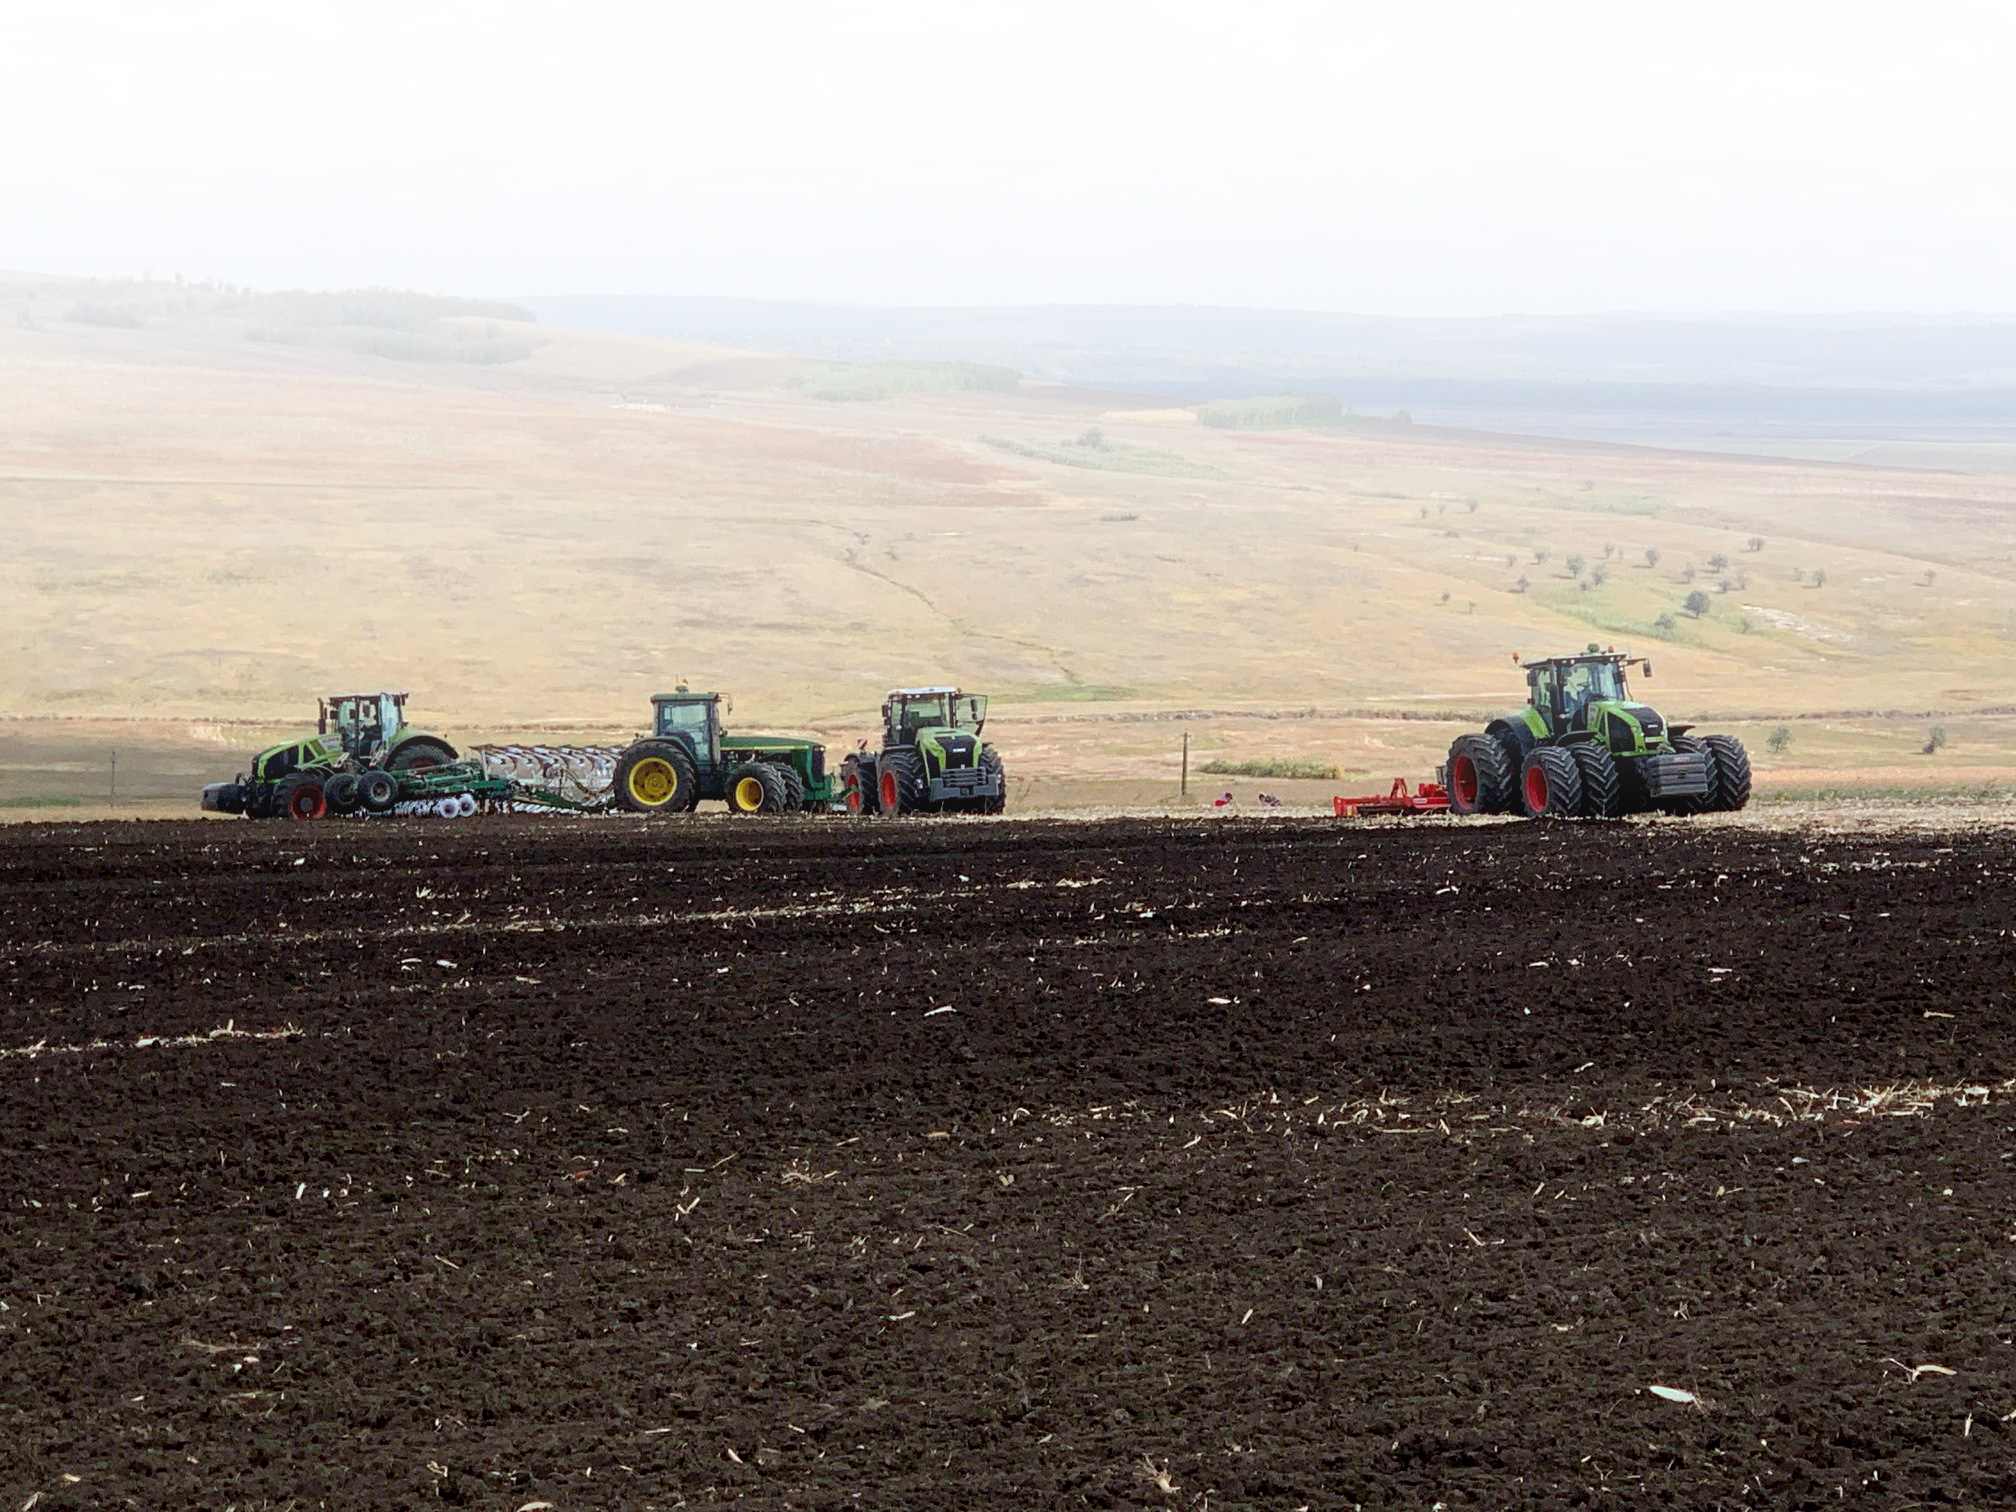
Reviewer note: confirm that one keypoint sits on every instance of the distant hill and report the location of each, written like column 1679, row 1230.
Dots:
column 1873, row 377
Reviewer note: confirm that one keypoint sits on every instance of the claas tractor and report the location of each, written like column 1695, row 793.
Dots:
column 1584, row 748
column 689, row 757
column 932, row 758
column 361, row 742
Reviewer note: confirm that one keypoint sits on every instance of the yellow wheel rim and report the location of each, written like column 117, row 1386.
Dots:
column 749, row 795
column 654, row 781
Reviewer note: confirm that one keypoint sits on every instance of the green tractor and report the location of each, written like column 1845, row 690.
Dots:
column 353, row 760
column 1583, row 748
column 688, row 757
column 932, row 758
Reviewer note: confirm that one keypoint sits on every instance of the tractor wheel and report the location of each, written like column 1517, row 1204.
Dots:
column 857, row 786
column 1732, row 772
column 341, row 790
column 1480, row 778
column 378, row 792
column 902, row 787
column 656, row 777
column 990, row 763
column 1551, row 784
column 776, row 787
column 749, row 789
column 794, row 789
column 1602, row 783
column 420, row 753
column 1686, row 807
column 303, row 798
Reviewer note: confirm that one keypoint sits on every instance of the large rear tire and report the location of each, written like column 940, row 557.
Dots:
column 420, row 753
column 1732, row 772
column 1602, row 783
column 857, row 786
column 991, row 764
column 1480, row 778
column 1550, row 786
column 656, row 777
column 902, row 786
column 341, row 790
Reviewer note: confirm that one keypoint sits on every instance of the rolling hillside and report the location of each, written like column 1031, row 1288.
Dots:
column 222, row 503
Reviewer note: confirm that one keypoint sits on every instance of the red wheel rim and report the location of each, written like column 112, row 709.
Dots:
column 854, row 795
column 1463, row 781
column 890, row 802
column 308, row 803
column 1536, row 789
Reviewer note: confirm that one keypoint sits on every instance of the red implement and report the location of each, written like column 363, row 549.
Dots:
column 1428, row 798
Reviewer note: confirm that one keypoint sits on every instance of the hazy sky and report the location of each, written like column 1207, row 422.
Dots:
column 1467, row 158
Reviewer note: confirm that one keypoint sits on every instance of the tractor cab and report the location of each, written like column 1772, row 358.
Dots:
column 692, row 719
column 366, row 724
column 1570, row 692
column 910, row 712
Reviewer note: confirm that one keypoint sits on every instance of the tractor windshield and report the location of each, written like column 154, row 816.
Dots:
column 925, row 712
column 686, row 718
column 1586, row 683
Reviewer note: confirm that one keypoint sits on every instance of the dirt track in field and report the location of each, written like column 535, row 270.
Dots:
column 974, row 1165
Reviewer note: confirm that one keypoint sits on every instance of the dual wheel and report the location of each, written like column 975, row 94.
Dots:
column 317, row 795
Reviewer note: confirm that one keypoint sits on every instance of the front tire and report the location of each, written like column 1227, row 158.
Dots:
column 1480, row 778
column 753, row 788
column 1732, row 772
column 1602, row 783
column 1550, row 786
column 656, row 777
column 304, row 798
column 991, row 764
column 341, row 791
column 902, row 785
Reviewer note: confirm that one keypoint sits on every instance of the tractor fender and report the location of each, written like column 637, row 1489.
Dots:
column 410, row 737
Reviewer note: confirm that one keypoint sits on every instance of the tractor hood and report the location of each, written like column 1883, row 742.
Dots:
column 1628, row 728
column 948, row 749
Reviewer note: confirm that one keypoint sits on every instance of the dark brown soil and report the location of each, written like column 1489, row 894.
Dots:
column 995, row 1165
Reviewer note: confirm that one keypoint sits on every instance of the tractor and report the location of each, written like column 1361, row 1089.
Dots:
column 1584, row 748
column 932, row 758
column 361, row 744
column 688, row 757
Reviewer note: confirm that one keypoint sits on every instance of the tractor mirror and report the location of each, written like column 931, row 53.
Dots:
column 1648, row 669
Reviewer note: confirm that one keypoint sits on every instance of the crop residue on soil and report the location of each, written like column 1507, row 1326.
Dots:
column 966, row 1165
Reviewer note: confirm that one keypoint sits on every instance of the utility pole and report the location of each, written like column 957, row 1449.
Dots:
column 112, row 793
column 1184, row 788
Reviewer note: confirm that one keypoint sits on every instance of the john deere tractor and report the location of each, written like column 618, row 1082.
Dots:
column 688, row 757
column 1584, row 748
column 932, row 758
column 361, row 744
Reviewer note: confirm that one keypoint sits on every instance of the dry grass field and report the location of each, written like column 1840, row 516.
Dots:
column 211, row 519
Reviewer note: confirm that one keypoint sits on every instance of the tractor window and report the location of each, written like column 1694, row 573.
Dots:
column 1586, row 683
column 690, row 718
column 969, row 712
column 922, row 714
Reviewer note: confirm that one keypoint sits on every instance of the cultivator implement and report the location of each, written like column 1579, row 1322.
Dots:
column 1428, row 798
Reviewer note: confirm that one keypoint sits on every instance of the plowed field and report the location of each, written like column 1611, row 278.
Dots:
column 991, row 1165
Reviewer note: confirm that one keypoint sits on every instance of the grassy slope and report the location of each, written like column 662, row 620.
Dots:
column 205, row 527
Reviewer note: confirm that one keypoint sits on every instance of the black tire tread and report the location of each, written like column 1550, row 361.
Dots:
column 1602, row 783
column 1564, row 782
column 683, row 798
column 1495, row 786
column 1732, row 772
